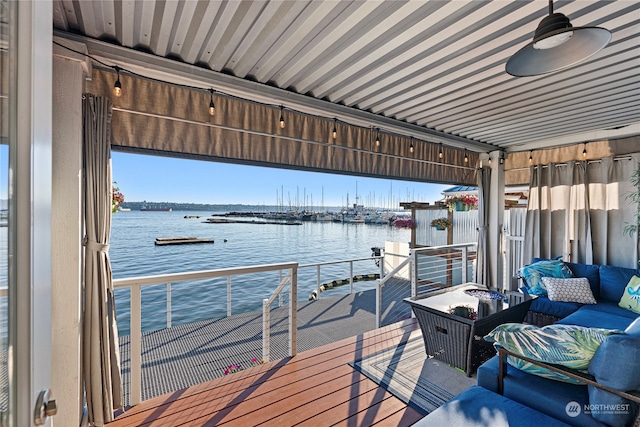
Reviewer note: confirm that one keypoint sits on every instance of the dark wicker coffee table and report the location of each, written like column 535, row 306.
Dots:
column 457, row 339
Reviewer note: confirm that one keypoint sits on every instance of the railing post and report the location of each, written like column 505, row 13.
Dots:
column 413, row 272
column 135, row 336
column 351, row 277
column 266, row 330
column 379, row 303
column 280, row 294
column 228, row 295
column 168, row 304
column 318, row 284
column 293, row 312
column 465, row 263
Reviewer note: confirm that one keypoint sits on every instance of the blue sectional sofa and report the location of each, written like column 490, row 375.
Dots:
column 551, row 397
column 618, row 363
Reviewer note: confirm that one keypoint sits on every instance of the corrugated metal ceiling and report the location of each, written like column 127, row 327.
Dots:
column 434, row 64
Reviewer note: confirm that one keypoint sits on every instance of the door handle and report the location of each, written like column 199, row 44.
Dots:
column 45, row 407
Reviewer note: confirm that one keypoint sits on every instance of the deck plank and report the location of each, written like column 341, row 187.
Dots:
column 304, row 389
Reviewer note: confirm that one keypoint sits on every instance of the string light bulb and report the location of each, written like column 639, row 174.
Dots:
column 466, row 158
column 489, row 160
column 411, row 148
column 281, row 117
column 440, row 154
column 334, row 133
column 377, row 137
column 584, row 151
column 117, row 86
column 530, row 157
column 212, row 106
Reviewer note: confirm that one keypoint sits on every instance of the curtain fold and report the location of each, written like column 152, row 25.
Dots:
column 557, row 221
column 483, row 258
column 577, row 210
column 101, row 353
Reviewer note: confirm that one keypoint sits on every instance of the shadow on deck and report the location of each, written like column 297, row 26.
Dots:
column 189, row 354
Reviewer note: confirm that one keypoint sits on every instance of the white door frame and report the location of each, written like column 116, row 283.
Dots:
column 30, row 322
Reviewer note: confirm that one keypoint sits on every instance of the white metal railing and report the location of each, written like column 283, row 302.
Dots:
column 383, row 280
column 292, row 280
column 447, row 265
column 350, row 279
column 135, row 284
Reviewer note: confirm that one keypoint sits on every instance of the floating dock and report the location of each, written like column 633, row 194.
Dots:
column 249, row 221
column 163, row 241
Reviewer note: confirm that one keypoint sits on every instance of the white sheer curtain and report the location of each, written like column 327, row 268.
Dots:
column 101, row 358
column 577, row 210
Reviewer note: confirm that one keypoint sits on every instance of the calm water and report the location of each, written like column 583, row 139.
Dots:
column 133, row 253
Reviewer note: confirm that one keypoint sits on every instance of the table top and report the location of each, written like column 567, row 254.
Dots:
column 470, row 301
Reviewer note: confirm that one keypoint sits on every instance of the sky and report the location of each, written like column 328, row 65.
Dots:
column 163, row 179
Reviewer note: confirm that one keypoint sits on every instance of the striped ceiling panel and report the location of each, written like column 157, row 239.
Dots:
column 433, row 64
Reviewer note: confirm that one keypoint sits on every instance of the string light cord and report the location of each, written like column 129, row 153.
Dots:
column 207, row 90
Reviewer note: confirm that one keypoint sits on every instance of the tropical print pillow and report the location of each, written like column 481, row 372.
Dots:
column 533, row 274
column 567, row 345
column 631, row 296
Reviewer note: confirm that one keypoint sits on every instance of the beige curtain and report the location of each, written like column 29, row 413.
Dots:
column 577, row 210
column 483, row 258
column 155, row 118
column 610, row 211
column 101, row 354
column 557, row 222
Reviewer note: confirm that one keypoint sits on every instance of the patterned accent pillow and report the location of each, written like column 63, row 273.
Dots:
column 575, row 289
column 631, row 296
column 567, row 345
column 533, row 274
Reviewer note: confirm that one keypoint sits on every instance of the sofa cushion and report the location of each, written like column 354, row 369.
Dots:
column 615, row 364
column 553, row 308
column 630, row 299
column 542, row 394
column 593, row 316
column 591, row 272
column 610, row 308
column 573, row 289
column 532, row 275
column 479, row 407
column 613, row 281
column 567, row 345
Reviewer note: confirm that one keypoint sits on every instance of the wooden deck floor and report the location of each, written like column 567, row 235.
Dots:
column 315, row 388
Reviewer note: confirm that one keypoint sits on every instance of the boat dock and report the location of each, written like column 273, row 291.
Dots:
column 163, row 241
column 249, row 221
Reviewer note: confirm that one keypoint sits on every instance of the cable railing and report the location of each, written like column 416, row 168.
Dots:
column 275, row 321
column 135, row 286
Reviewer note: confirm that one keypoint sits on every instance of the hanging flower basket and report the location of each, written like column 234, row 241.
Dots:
column 440, row 223
column 462, row 202
column 117, row 198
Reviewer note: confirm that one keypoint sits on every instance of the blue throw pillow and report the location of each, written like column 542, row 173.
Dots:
column 615, row 364
column 532, row 275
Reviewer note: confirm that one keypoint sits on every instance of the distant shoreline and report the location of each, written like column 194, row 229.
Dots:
column 234, row 207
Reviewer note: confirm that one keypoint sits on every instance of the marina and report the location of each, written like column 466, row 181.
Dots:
column 215, row 220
